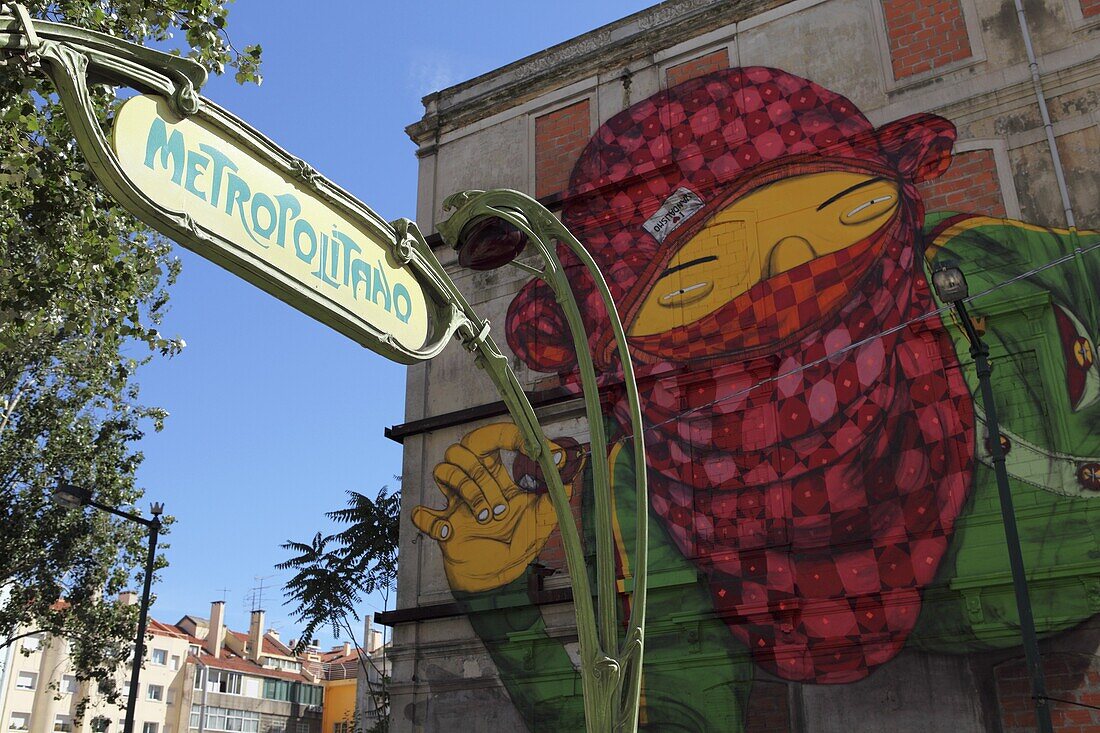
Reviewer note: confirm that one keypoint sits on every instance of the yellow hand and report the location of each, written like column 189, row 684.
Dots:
column 491, row 529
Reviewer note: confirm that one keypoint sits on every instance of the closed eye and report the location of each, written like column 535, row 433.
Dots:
column 686, row 265
column 847, row 191
column 683, row 291
column 865, row 204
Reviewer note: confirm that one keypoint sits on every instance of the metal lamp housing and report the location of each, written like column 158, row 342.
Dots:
column 950, row 284
column 69, row 496
column 488, row 243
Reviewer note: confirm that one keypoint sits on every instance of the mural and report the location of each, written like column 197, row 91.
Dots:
column 817, row 450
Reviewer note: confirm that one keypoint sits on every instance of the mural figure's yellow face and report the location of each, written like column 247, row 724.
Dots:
column 766, row 232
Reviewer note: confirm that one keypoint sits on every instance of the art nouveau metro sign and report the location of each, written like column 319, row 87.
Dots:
column 208, row 180
column 278, row 229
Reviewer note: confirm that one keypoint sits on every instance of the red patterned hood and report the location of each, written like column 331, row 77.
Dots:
column 815, row 484
column 818, row 493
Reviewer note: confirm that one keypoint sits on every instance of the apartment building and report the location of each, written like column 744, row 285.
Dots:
column 199, row 675
column 250, row 682
column 42, row 693
column 354, row 686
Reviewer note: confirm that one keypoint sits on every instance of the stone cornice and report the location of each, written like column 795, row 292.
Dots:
column 611, row 46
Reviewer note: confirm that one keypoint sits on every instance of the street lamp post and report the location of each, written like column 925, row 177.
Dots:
column 951, row 287
column 74, row 497
column 490, row 229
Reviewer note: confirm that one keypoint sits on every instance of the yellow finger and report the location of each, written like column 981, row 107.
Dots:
column 491, row 439
column 488, row 441
column 433, row 522
column 461, row 485
column 485, row 443
column 559, row 458
column 441, row 474
column 480, row 488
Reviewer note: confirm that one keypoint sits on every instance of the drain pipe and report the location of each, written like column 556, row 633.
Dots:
column 1059, row 173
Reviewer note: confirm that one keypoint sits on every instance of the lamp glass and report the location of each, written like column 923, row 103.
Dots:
column 950, row 284
column 72, row 497
column 489, row 243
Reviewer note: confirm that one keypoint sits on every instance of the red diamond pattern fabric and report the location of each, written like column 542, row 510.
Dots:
column 814, row 484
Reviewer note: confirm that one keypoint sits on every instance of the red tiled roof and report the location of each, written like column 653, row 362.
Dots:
column 163, row 629
column 337, row 656
column 336, row 665
column 270, row 646
column 342, row 670
column 274, row 646
column 234, row 663
column 229, row 659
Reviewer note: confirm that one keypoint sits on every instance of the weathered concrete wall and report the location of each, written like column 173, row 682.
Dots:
column 482, row 134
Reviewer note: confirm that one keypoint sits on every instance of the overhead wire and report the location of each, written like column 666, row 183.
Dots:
column 852, row 346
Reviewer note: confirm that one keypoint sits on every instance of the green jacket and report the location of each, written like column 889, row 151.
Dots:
column 1052, row 439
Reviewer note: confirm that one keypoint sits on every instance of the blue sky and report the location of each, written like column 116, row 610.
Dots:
column 273, row 416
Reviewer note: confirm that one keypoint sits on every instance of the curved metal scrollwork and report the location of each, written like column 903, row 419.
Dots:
column 611, row 671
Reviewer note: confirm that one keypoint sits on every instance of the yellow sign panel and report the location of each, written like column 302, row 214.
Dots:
column 274, row 226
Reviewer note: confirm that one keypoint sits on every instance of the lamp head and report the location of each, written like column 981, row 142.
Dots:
column 70, row 496
column 950, row 283
column 488, row 243
column 156, row 508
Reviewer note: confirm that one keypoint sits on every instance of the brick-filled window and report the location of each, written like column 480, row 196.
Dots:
column 924, row 35
column 715, row 61
column 1068, row 677
column 559, row 138
column 970, row 185
column 1090, row 8
column 769, row 710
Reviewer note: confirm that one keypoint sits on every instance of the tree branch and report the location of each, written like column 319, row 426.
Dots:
column 9, row 408
column 378, row 697
column 17, row 637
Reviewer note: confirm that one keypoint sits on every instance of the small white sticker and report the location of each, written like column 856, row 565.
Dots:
column 676, row 209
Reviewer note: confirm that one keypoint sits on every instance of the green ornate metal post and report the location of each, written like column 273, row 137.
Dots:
column 610, row 669
column 380, row 257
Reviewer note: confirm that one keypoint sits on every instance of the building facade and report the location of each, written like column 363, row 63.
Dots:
column 767, row 186
column 42, row 691
column 193, row 679
column 372, row 701
column 355, row 688
column 247, row 681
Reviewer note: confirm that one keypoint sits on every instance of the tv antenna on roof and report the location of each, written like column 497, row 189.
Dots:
column 256, row 593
